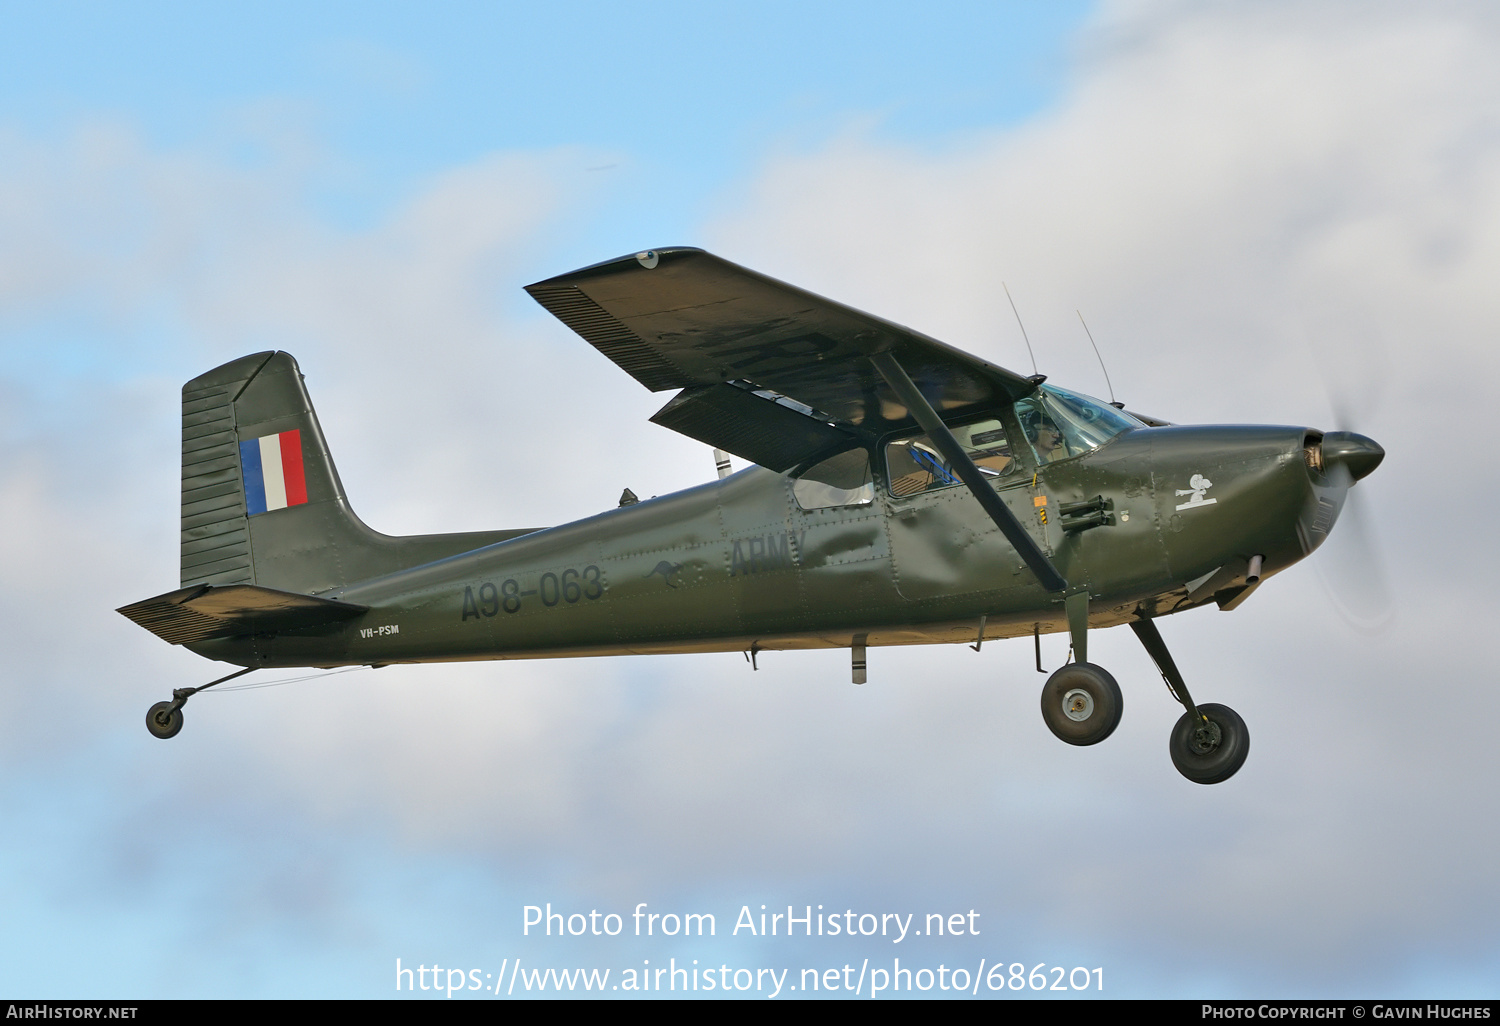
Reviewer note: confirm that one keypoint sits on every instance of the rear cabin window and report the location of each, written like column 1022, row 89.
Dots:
column 842, row 480
column 915, row 465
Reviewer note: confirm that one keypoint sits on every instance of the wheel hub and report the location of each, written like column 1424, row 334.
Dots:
column 1206, row 738
column 1078, row 705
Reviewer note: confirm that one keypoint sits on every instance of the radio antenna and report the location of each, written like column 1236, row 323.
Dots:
column 1090, row 334
column 1022, row 326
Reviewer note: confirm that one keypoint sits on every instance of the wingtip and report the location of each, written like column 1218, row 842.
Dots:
column 648, row 259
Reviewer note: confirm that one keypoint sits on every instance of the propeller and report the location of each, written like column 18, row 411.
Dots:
column 1350, row 564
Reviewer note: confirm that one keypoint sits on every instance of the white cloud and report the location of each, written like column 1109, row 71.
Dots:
column 1215, row 179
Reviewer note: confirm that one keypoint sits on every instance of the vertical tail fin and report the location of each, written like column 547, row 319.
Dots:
column 261, row 501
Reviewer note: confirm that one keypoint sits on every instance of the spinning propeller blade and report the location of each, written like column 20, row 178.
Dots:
column 1350, row 563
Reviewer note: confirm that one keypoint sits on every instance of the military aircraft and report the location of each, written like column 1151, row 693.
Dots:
column 903, row 492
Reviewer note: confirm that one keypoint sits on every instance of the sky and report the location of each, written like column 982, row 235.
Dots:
column 1269, row 212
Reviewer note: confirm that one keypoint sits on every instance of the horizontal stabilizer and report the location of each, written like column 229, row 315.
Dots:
column 203, row 612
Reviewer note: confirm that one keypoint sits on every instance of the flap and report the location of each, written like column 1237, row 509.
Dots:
column 753, row 426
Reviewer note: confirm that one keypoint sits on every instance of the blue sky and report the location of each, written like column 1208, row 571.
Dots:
column 1267, row 211
column 678, row 99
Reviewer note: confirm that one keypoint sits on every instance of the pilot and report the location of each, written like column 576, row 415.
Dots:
column 1047, row 440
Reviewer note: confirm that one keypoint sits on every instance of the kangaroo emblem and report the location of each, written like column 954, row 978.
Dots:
column 667, row 571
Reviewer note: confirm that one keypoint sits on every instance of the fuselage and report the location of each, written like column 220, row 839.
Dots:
column 1156, row 520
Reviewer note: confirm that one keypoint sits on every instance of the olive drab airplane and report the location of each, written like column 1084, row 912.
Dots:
column 903, row 492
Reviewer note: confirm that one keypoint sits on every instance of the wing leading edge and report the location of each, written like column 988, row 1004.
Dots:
column 770, row 372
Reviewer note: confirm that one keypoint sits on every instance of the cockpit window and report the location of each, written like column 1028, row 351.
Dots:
column 842, row 480
column 1060, row 424
column 916, row 466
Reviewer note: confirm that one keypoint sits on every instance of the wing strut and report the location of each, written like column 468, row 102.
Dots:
column 896, row 377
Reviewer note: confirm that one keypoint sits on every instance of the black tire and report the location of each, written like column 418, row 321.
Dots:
column 163, row 721
column 1201, row 757
column 1082, row 704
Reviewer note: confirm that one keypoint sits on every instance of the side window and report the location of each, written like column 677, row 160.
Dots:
column 916, row 466
column 842, row 480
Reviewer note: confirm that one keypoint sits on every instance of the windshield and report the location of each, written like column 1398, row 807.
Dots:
column 1060, row 424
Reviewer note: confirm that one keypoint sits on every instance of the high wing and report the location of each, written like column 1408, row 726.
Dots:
column 769, row 372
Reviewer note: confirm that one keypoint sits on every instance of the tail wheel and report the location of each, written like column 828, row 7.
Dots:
column 1082, row 704
column 1210, row 748
column 163, row 720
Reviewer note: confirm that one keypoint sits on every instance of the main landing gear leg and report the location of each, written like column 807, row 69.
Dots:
column 1081, row 702
column 164, row 719
column 1210, row 742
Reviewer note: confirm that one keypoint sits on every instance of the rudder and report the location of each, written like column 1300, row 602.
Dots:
column 215, row 528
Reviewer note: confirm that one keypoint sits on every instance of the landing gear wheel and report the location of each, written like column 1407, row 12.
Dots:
column 1207, row 753
column 1082, row 703
column 163, row 721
